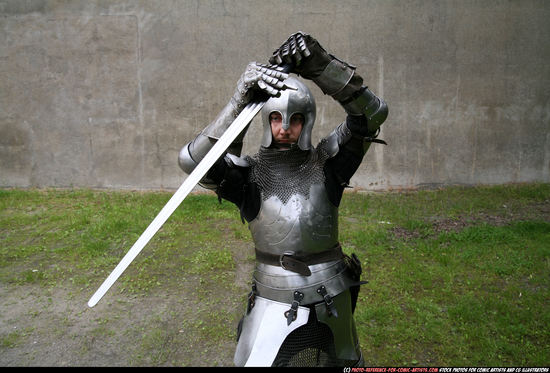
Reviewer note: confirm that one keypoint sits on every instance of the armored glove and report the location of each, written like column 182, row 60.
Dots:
column 293, row 51
column 257, row 78
column 312, row 61
column 335, row 78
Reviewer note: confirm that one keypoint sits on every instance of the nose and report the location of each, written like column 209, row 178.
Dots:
column 284, row 133
column 286, row 125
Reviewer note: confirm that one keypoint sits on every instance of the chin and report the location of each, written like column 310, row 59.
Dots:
column 284, row 145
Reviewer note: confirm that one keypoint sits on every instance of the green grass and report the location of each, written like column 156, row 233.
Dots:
column 473, row 296
column 49, row 236
column 457, row 276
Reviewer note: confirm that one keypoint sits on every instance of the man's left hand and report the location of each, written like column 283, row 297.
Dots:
column 304, row 52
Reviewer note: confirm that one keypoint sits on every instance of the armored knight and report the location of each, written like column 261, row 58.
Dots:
column 304, row 288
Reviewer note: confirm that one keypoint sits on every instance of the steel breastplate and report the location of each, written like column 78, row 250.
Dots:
column 303, row 226
column 295, row 216
column 295, row 213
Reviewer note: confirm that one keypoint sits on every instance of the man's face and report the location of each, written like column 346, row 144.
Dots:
column 283, row 137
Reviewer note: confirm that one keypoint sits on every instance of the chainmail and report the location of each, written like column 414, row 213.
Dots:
column 310, row 345
column 286, row 173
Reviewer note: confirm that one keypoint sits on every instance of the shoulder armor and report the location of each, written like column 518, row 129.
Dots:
column 234, row 160
column 185, row 161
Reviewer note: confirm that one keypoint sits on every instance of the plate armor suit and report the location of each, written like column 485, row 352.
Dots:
column 304, row 288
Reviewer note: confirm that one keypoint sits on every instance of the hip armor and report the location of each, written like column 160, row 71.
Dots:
column 314, row 339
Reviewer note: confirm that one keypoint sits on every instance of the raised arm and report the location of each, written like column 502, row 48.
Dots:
column 256, row 79
column 366, row 111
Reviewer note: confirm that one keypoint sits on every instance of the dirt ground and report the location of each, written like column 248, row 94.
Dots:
column 538, row 211
column 54, row 326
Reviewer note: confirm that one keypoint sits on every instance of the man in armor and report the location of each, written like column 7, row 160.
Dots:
column 304, row 288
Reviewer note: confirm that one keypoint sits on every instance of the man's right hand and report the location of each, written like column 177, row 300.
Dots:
column 257, row 77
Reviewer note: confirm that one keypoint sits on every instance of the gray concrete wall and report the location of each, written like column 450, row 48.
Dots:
column 104, row 93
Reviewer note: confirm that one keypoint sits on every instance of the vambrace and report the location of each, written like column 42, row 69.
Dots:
column 193, row 152
column 257, row 79
column 341, row 81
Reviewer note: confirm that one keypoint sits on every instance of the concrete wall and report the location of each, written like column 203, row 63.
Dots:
column 104, row 93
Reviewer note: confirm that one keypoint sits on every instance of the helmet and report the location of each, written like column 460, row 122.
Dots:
column 291, row 101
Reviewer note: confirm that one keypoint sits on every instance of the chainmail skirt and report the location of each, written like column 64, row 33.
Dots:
column 311, row 345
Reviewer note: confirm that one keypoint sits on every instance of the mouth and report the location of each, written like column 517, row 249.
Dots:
column 285, row 140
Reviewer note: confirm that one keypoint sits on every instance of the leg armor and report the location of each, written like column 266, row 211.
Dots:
column 315, row 338
column 263, row 330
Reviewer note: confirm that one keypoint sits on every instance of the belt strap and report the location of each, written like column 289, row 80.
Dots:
column 299, row 263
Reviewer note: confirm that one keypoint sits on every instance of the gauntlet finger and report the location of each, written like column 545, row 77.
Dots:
column 283, row 51
column 267, row 88
column 302, row 46
column 272, row 71
column 276, row 67
column 276, row 59
column 286, row 86
column 292, row 45
column 274, row 82
column 278, row 72
column 295, row 52
column 287, row 54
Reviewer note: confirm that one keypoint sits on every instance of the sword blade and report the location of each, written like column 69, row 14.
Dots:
column 238, row 125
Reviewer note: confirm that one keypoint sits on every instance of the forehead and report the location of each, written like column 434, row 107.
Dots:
column 278, row 114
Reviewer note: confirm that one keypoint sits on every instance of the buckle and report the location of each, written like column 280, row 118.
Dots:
column 251, row 299
column 286, row 253
column 293, row 264
column 328, row 301
column 292, row 313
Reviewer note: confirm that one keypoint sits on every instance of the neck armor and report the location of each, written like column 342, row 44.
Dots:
column 289, row 102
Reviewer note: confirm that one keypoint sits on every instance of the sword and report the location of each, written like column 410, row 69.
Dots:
column 238, row 125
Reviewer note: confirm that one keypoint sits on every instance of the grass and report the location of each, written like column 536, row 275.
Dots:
column 473, row 296
column 457, row 276
column 78, row 234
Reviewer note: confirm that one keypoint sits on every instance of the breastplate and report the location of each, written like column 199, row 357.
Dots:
column 295, row 213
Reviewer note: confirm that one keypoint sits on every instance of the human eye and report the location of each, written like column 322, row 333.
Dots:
column 276, row 117
column 297, row 119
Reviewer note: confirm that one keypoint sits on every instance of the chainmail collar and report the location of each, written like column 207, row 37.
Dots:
column 284, row 173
